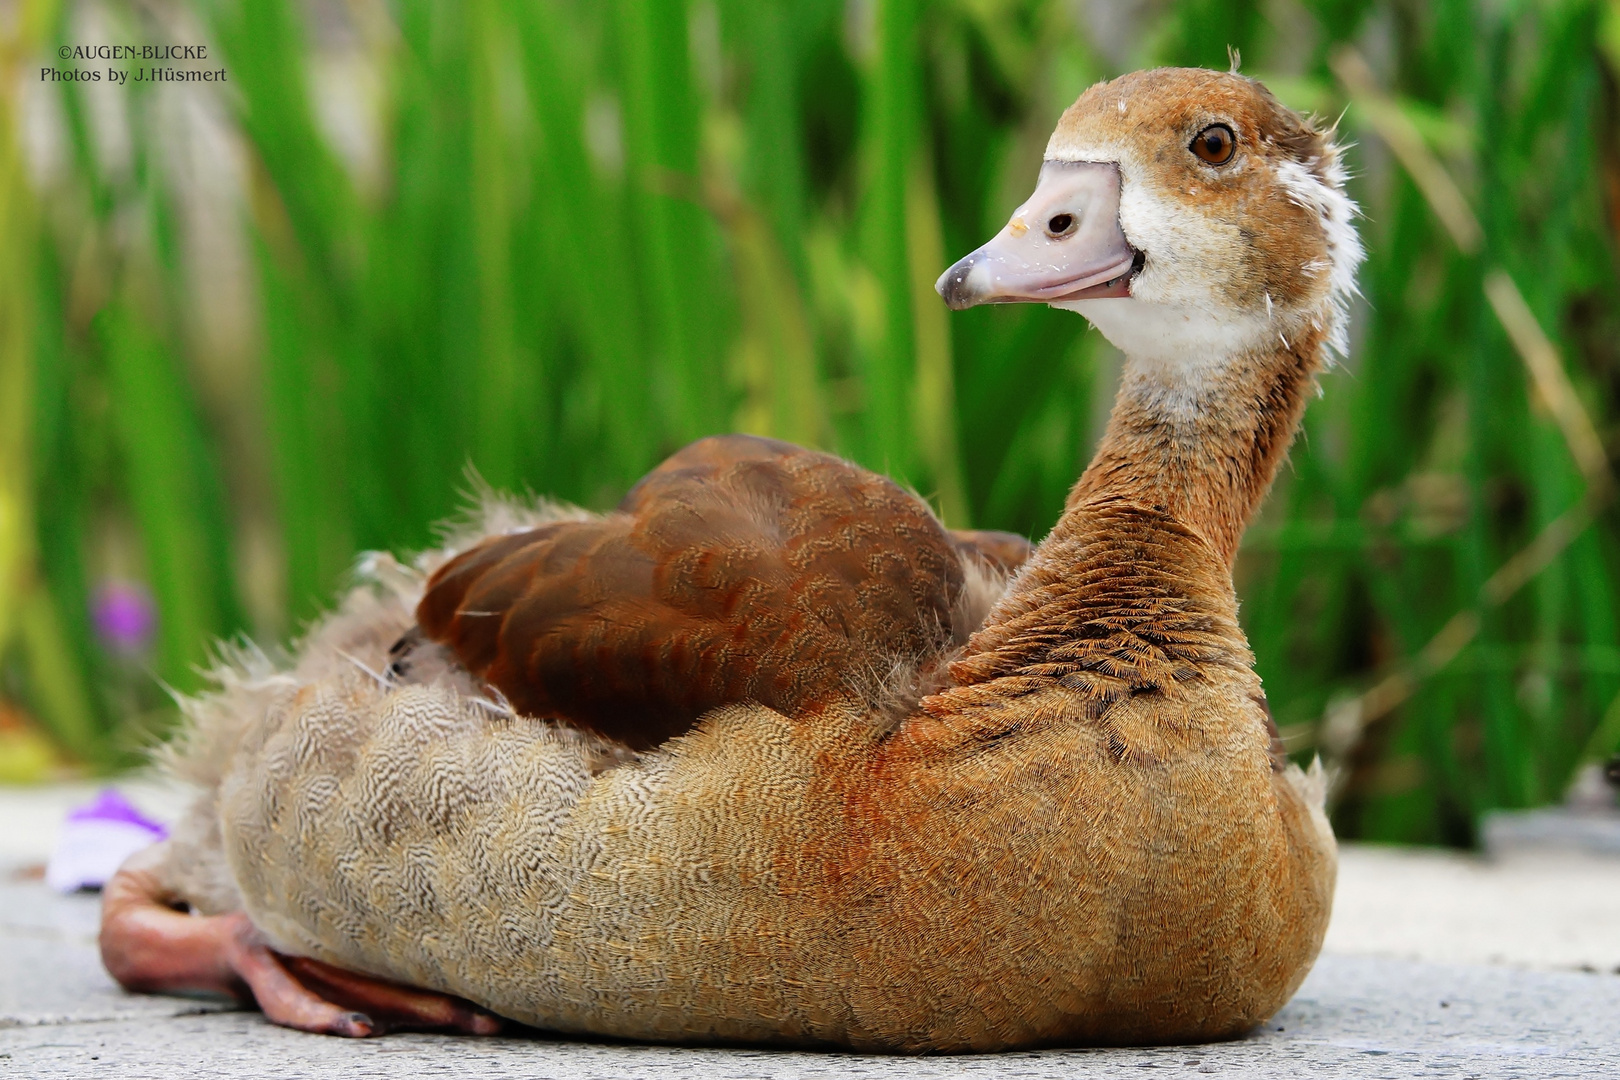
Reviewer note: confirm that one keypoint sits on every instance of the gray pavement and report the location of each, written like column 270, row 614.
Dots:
column 1356, row 1017
column 1389, row 999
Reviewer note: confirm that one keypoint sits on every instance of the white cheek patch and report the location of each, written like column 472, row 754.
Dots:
column 1190, row 257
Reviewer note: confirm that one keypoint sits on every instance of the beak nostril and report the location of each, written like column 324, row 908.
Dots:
column 1060, row 225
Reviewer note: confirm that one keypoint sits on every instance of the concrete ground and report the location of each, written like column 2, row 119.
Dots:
column 1435, row 965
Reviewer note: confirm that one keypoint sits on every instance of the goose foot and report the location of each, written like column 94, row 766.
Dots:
column 150, row 946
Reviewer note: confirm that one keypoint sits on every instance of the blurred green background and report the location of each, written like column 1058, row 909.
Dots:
column 250, row 329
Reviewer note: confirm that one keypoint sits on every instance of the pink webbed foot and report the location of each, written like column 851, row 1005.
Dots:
column 151, row 946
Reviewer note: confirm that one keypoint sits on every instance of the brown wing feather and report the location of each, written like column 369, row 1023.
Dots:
column 739, row 569
column 1004, row 551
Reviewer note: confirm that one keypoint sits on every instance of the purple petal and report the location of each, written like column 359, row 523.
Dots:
column 111, row 805
column 124, row 616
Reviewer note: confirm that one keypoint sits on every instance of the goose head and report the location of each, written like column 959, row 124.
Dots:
column 1187, row 214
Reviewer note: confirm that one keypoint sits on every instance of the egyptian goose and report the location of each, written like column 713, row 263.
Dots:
column 769, row 755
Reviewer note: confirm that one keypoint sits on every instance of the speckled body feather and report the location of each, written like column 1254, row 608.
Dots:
column 1095, row 852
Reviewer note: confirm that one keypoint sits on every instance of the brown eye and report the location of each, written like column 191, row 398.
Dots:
column 1215, row 144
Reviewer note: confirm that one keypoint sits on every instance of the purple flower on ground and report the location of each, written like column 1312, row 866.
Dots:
column 95, row 840
column 124, row 616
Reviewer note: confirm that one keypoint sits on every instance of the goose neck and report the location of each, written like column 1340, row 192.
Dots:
column 1202, row 437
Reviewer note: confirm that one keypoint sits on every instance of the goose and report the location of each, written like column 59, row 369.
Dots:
column 768, row 755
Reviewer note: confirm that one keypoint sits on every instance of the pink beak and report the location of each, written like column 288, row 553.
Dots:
column 1063, row 244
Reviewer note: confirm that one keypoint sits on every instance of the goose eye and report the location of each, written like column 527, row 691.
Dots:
column 1215, row 144
column 1060, row 225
